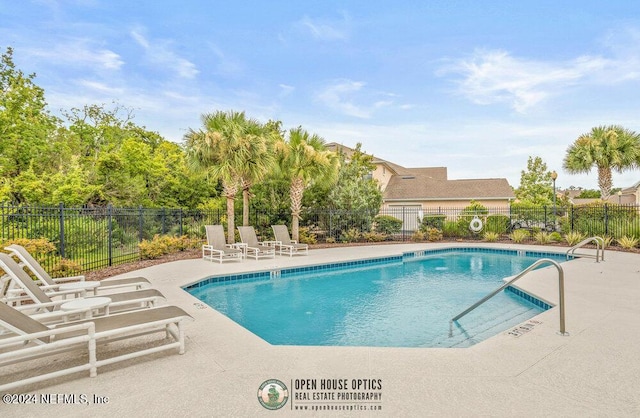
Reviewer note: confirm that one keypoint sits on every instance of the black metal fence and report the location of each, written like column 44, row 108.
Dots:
column 96, row 237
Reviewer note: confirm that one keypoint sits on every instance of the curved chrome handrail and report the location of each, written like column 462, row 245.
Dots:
column 599, row 248
column 522, row 273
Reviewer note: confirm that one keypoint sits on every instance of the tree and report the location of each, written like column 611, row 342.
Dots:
column 25, row 123
column 355, row 189
column 589, row 194
column 607, row 148
column 536, row 185
column 212, row 151
column 257, row 146
column 234, row 149
column 304, row 159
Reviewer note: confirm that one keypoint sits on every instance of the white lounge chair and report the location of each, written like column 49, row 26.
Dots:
column 42, row 302
column 216, row 248
column 285, row 244
column 254, row 248
column 79, row 284
column 26, row 339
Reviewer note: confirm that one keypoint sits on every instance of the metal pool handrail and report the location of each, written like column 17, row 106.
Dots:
column 599, row 244
column 522, row 273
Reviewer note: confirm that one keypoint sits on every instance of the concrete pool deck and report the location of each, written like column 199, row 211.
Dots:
column 595, row 371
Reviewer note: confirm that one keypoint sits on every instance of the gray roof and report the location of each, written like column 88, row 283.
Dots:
column 422, row 187
column 431, row 183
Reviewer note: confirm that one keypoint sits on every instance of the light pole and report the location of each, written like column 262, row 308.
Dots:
column 554, row 176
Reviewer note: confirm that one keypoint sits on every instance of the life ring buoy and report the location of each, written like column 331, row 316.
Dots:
column 476, row 224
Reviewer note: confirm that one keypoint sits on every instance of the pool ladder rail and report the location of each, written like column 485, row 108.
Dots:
column 517, row 277
column 599, row 248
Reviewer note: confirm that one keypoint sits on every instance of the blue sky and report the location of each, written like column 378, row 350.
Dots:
column 476, row 86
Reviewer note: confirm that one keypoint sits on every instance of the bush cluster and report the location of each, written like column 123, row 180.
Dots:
column 164, row 244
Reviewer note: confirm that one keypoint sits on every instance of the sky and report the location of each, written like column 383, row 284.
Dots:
column 475, row 86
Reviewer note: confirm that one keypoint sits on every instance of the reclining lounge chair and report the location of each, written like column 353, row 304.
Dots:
column 51, row 284
column 254, row 248
column 23, row 338
column 216, row 248
column 285, row 244
column 43, row 302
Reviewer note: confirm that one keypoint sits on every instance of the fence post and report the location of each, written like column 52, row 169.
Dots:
column 572, row 217
column 61, row 217
column 403, row 224
column 164, row 214
column 180, row 220
column 110, row 234
column 606, row 219
column 140, row 223
column 330, row 223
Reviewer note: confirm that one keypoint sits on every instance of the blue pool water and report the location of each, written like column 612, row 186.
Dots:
column 394, row 302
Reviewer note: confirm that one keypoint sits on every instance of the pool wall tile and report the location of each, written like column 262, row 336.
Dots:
column 359, row 263
column 529, row 298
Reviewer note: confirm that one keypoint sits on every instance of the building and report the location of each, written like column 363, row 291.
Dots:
column 429, row 189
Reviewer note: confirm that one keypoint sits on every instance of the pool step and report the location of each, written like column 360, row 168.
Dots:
column 479, row 326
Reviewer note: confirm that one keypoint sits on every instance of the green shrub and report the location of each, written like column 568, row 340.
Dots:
column 418, row 236
column 490, row 236
column 374, row 236
column 497, row 223
column 388, row 225
column 305, row 236
column 607, row 240
column 351, row 235
column 628, row 242
column 432, row 221
column 330, row 240
column 35, row 247
column 555, row 237
column 573, row 237
column 453, row 229
column 542, row 237
column 434, row 234
column 66, row 268
column 519, row 235
column 164, row 244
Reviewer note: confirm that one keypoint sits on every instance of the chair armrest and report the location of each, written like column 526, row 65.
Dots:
column 90, row 327
column 211, row 249
column 69, row 279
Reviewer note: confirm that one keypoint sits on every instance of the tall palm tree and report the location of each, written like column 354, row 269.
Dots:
column 607, row 148
column 214, row 149
column 257, row 154
column 304, row 159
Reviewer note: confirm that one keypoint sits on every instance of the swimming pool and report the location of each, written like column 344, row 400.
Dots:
column 399, row 301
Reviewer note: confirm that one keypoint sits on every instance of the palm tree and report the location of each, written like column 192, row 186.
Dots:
column 607, row 148
column 305, row 160
column 214, row 150
column 257, row 154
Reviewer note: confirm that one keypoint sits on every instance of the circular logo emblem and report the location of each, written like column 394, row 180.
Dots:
column 273, row 394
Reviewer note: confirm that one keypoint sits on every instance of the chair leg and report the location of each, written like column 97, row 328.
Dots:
column 93, row 371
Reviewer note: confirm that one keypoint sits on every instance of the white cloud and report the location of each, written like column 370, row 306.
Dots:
column 496, row 76
column 161, row 53
column 336, row 97
column 80, row 52
column 285, row 90
column 326, row 30
column 101, row 87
